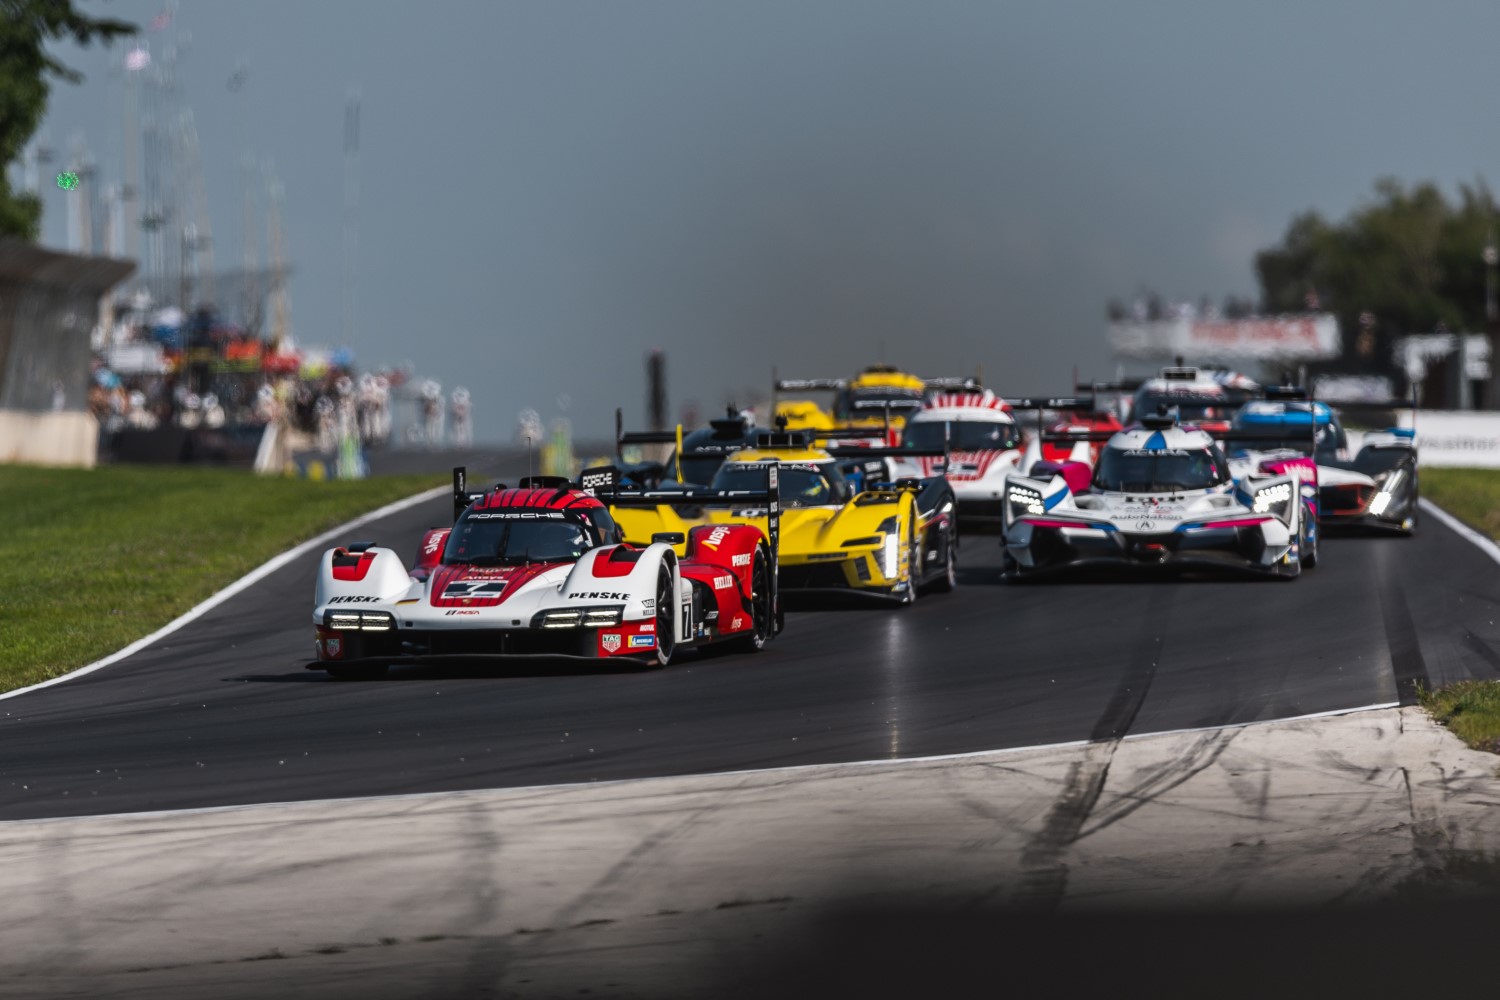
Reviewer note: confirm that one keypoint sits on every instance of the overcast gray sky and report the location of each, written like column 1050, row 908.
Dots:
column 550, row 189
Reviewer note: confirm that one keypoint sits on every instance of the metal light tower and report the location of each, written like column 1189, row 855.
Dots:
column 351, row 219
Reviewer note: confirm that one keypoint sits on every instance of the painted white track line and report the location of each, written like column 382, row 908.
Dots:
column 248, row 580
column 1482, row 542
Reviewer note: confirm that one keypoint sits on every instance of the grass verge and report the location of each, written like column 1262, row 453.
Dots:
column 1470, row 710
column 92, row 560
column 1471, row 495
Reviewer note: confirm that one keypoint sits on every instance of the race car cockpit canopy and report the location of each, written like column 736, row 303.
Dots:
column 803, row 484
column 1150, row 461
column 988, row 434
column 1187, row 390
column 514, row 536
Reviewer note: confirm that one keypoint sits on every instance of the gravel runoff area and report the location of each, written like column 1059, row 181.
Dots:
column 662, row 887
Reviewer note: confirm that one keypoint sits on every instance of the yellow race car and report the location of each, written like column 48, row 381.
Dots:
column 880, row 396
column 840, row 529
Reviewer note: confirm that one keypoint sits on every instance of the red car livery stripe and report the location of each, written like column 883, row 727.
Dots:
column 980, row 460
column 986, row 400
column 547, row 498
column 351, row 567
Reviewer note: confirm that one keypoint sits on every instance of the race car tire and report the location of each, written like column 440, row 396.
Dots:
column 913, row 564
column 760, row 606
column 944, row 584
column 1309, row 548
column 364, row 672
column 666, row 618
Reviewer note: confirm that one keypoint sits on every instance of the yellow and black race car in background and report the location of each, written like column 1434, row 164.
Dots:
column 884, row 539
column 879, row 396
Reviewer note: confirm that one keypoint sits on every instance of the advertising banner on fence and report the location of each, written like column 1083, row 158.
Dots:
column 1267, row 338
column 1452, row 439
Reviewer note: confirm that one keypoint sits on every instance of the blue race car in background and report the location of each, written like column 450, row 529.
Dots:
column 1376, row 487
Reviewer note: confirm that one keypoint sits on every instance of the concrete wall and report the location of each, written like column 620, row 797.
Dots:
column 63, row 438
column 49, row 304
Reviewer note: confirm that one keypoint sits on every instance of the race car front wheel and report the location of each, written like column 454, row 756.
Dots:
column 760, row 605
column 666, row 614
column 945, row 583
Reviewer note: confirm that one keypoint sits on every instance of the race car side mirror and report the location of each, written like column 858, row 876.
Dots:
column 670, row 537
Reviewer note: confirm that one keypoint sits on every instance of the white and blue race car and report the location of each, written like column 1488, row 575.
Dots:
column 1161, row 495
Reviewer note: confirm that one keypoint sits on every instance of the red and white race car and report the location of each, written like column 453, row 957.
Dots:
column 542, row 570
column 984, row 445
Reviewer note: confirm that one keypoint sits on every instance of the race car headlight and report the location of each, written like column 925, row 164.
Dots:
column 560, row 618
column 1273, row 499
column 376, row 621
column 354, row 621
column 600, row 617
column 1021, row 501
column 890, row 528
column 344, row 621
column 1380, row 501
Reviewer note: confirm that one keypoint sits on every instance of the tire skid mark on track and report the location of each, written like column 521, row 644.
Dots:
column 633, row 864
column 1401, row 636
column 1044, row 879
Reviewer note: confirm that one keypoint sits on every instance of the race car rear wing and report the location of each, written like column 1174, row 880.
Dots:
column 604, row 482
column 1042, row 403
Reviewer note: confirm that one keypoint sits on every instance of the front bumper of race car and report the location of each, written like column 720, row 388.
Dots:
column 1357, row 504
column 1262, row 547
column 335, row 647
column 871, row 566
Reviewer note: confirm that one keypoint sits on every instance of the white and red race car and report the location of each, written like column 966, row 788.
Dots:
column 984, row 443
column 541, row 570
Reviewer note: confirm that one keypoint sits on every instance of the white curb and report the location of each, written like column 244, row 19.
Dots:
column 248, row 580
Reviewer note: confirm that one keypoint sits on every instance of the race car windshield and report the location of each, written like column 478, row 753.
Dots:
column 510, row 538
column 1189, row 405
column 699, row 468
column 1127, row 471
column 963, row 435
column 800, row 485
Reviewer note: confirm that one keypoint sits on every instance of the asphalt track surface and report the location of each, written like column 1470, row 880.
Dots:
column 224, row 713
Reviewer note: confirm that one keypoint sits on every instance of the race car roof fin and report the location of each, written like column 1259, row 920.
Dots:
column 462, row 496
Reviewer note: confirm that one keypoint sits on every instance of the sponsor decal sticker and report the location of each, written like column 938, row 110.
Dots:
column 597, row 595
column 723, row 582
column 518, row 515
column 464, row 589
column 715, row 538
column 741, row 560
column 643, row 642
column 649, row 604
column 649, row 627
column 737, row 623
column 610, row 641
column 462, row 611
column 335, row 646
column 1144, row 526
column 353, row 599
column 432, row 544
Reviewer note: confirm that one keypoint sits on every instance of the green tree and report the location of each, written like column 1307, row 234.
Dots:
column 1406, row 261
column 26, row 26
